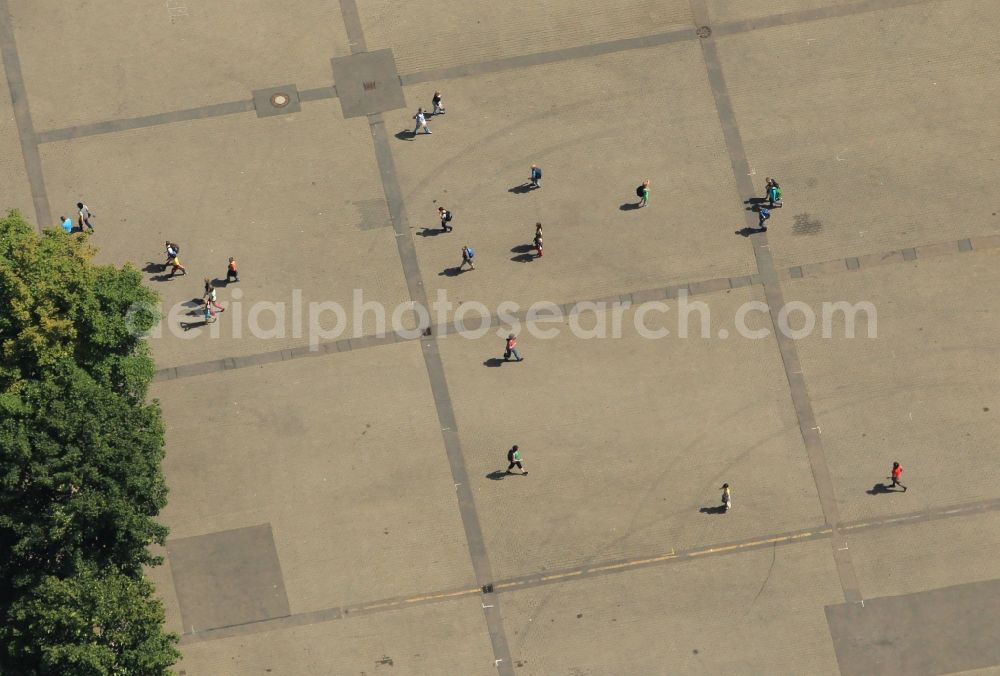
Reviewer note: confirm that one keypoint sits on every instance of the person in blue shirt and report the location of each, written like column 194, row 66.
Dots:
column 67, row 224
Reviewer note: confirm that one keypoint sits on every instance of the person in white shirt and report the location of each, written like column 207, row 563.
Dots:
column 85, row 216
column 421, row 122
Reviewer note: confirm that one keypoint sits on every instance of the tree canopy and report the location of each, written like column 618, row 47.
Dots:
column 80, row 455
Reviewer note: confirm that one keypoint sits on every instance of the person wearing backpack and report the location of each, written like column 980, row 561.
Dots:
column 536, row 176
column 445, row 219
column 642, row 192
column 514, row 460
column 467, row 253
column 773, row 193
column 762, row 215
column 172, row 251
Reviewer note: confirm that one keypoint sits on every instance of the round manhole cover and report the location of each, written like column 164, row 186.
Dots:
column 703, row 31
column 280, row 100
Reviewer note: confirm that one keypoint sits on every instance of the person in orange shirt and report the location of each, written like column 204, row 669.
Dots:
column 897, row 471
column 231, row 271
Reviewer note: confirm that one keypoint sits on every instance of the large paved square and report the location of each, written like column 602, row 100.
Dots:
column 346, row 509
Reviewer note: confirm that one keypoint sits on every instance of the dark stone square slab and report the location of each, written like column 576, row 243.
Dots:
column 368, row 83
column 924, row 634
column 277, row 100
column 227, row 578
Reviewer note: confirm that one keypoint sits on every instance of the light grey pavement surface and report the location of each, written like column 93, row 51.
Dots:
column 338, row 504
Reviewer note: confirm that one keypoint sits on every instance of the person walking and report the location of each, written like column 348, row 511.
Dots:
column 436, row 101
column 207, row 312
column 897, row 471
column 211, row 297
column 762, row 215
column 467, row 254
column 84, row 216
column 232, row 271
column 445, row 219
column 511, row 350
column 536, row 176
column 642, row 192
column 774, row 193
column 421, row 122
column 175, row 265
column 67, row 224
column 171, row 250
column 514, row 460
column 538, row 243
column 727, row 498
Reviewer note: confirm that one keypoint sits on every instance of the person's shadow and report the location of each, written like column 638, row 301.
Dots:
column 220, row 282
column 405, row 135
column 187, row 326
column 718, row 509
column 757, row 201
column 630, row 206
column 522, row 248
column 497, row 475
column 151, row 267
column 431, row 232
column 493, row 362
column 451, row 272
column 879, row 489
column 746, row 232
column 522, row 189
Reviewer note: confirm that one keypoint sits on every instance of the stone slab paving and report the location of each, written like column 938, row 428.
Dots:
column 16, row 192
column 477, row 31
column 446, row 638
column 359, row 508
column 923, row 392
column 150, row 58
column 871, row 154
column 874, row 113
column 952, row 552
column 716, row 615
column 597, row 132
column 280, row 194
column 626, row 439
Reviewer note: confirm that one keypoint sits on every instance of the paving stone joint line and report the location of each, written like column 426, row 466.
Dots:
column 590, row 570
column 699, row 288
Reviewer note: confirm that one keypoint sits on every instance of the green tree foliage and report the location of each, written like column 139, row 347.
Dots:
column 93, row 625
column 80, row 454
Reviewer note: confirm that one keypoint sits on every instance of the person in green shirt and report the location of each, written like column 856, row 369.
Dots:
column 514, row 460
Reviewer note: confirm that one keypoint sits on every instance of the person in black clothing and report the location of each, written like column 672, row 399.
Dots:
column 514, row 458
column 445, row 219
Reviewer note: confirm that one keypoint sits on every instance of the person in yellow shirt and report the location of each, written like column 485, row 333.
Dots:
column 727, row 498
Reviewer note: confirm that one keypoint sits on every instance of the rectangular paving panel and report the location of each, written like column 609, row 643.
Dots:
column 368, row 83
column 226, row 578
column 933, row 632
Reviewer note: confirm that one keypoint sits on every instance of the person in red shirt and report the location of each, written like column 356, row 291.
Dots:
column 897, row 471
column 511, row 348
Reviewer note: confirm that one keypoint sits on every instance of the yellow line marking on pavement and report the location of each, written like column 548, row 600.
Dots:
column 416, row 599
